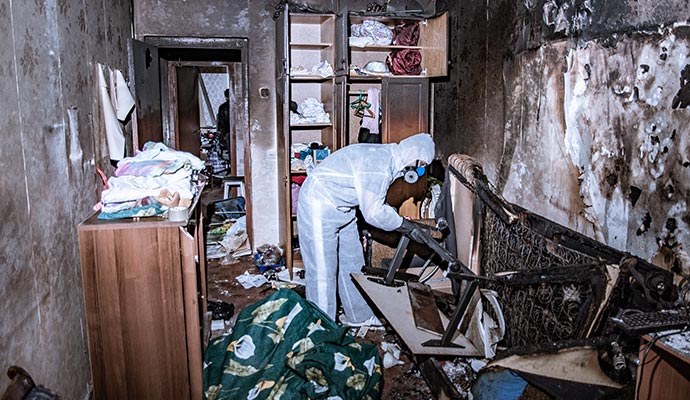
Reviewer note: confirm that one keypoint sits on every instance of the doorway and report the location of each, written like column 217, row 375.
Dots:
column 194, row 94
column 191, row 76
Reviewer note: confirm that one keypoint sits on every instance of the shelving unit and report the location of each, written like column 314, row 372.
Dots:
column 433, row 45
column 306, row 40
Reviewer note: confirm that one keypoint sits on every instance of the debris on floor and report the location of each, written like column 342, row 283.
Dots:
column 539, row 311
column 248, row 280
column 228, row 241
column 462, row 372
column 391, row 354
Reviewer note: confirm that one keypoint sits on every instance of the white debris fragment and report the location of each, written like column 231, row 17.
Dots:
column 476, row 364
column 248, row 280
column 391, row 355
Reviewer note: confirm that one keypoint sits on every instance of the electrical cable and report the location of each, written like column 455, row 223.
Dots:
column 651, row 343
column 429, row 275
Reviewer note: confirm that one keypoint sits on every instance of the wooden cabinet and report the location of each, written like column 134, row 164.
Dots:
column 405, row 100
column 664, row 372
column 305, row 40
column 144, row 288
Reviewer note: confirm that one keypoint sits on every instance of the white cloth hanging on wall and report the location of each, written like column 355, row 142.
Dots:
column 116, row 104
column 124, row 102
column 371, row 121
column 113, row 129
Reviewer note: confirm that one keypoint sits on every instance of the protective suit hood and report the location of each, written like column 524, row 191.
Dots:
column 409, row 150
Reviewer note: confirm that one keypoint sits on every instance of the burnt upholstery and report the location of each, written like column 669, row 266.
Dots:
column 551, row 281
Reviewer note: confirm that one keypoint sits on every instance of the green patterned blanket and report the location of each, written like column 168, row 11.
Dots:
column 285, row 347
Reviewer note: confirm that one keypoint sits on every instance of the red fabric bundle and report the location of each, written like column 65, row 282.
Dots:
column 298, row 179
column 406, row 34
column 405, row 62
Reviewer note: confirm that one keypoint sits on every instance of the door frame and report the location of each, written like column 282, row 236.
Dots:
column 242, row 95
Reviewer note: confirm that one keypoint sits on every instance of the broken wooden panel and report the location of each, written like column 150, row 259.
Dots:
column 424, row 308
column 575, row 369
column 394, row 304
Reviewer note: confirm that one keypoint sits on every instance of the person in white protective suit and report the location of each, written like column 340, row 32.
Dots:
column 357, row 175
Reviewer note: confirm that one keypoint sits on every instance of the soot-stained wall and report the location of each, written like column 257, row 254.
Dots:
column 252, row 20
column 588, row 101
column 50, row 146
column 235, row 19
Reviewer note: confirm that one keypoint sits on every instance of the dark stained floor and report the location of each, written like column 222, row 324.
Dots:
column 402, row 382
column 399, row 382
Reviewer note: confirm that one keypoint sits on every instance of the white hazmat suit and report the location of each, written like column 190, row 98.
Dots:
column 356, row 175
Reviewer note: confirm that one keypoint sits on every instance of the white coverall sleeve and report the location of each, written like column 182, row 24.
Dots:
column 371, row 193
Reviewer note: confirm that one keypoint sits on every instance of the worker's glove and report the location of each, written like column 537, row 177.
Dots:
column 412, row 230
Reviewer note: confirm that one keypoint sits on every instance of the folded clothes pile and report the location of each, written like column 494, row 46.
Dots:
column 150, row 182
column 310, row 111
column 370, row 32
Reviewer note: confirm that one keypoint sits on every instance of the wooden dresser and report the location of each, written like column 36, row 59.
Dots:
column 144, row 288
column 663, row 373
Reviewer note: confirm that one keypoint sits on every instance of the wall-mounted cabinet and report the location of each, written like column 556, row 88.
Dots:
column 432, row 45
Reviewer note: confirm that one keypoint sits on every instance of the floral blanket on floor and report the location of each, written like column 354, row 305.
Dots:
column 285, row 347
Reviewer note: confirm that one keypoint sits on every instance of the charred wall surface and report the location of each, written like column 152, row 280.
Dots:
column 252, row 20
column 235, row 19
column 50, row 132
column 587, row 101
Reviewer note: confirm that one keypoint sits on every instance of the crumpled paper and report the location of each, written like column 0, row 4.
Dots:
column 249, row 281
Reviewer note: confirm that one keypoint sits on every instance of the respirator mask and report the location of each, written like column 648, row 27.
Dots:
column 412, row 173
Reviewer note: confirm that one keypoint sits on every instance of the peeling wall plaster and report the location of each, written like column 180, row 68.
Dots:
column 591, row 109
column 622, row 132
column 606, row 129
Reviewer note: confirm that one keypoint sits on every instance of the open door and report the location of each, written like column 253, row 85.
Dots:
column 168, row 72
column 283, row 119
column 187, row 134
column 147, row 94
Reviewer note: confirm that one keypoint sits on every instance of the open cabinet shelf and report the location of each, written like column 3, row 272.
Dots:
column 307, row 46
column 432, row 44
